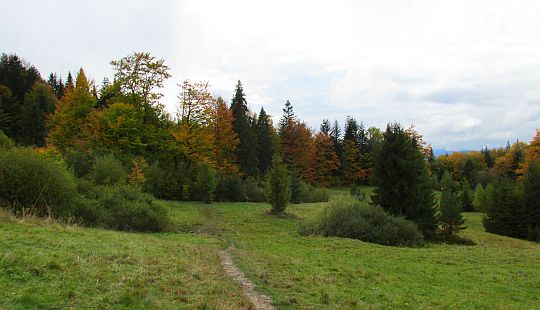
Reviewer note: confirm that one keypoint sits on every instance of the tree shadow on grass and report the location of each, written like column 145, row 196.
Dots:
column 453, row 240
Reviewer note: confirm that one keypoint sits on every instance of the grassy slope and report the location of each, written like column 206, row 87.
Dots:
column 45, row 266
column 174, row 270
column 316, row 272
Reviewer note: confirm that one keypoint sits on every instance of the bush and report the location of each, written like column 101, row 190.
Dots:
column 358, row 220
column 254, row 190
column 166, row 181
column 80, row 162
column 32, row 181
column 278, row 191
column 205, row 183
column 107, row 170
column 231, row 188
column 121, row 207
column 307, row 193
column 5, row 141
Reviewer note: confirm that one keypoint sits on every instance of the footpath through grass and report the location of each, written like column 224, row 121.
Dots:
column 50, row 265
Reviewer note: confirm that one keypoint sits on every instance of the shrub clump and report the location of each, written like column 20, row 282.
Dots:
column 33, row 181
column 107, row 170
column 354, row 219
column 120, row 207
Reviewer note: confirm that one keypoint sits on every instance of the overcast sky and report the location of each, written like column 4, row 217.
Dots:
column 466, row 73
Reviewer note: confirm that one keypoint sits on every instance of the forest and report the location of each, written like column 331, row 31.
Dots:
column 108, row 155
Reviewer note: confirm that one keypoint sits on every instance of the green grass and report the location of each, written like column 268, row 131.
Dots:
column 318, row 272
column 46, row 265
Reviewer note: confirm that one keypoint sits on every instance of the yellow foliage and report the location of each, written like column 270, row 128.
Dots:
column 136, row 174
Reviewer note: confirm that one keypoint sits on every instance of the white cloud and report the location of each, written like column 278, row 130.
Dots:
column 467, row 73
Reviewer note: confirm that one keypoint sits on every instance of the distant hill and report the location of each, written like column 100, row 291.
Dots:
column 439, row 152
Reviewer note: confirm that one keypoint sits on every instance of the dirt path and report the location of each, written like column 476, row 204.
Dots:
column 261, row 302
column 214, row 226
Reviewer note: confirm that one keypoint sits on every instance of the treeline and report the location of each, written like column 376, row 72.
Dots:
column 501, row 182
column 124, row 117
column 212, row 150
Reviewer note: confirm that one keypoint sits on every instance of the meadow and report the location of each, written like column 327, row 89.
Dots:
column 46, row 265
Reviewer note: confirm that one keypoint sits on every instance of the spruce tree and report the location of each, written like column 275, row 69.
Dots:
column 505, row 212
column 488, row 158
column 69, row 82
column 242, row 125
column 466, row 198
column 469, row 172
column 38, row 104
column 531, row 200
column 265, row 145
column 278, row 185
column 335, row 134
column 325, row 127
column 401, row 177
column 450, row 211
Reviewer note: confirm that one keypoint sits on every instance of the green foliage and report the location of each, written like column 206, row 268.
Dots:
column 5, row 141
column 255, row 190
column 205, row 183
column 505, row 211
column 450, row 212
column 479, row 201
column 310, row 194
column 265, row 145
column 244, row 128
column 469, row 172
column 231, row 188
column 107, row 170
column 16, row 80
column 358, row 220
column 139, row 76
column 466, row 197
column 32, row 181
column 120, row 207
column 167, row 181
column 296, row 186
column 531, row 202
column 118, row 129
column 80, row 162
column 278, row 185
column 447, row 183
column 402, row 180
column 39, row 103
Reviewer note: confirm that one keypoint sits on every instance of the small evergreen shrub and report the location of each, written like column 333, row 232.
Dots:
column 107, row 170
column 278, row 190
column 354, row 219
column 33, row 181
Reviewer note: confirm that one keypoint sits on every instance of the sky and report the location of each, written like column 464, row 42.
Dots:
column 465, row 73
